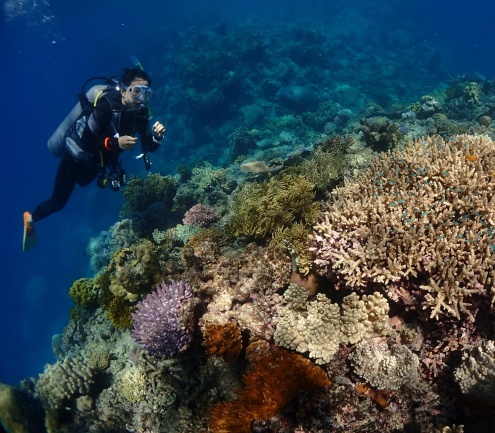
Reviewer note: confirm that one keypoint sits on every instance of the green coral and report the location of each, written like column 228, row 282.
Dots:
column 139, row 193
column 322, row 168
column 119, row 312
column 259, row 209
column 206, row 176
column 84, row 292
column 467, row 91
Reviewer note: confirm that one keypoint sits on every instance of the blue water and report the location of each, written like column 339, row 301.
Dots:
column 48, row 49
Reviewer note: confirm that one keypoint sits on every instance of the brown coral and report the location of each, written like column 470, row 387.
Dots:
column 134, row 271
column 269, row 386
column 223, row 340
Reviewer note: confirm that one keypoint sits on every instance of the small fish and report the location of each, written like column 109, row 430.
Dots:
column 471, row 158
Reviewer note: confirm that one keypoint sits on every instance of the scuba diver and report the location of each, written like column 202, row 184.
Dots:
column 90, row 146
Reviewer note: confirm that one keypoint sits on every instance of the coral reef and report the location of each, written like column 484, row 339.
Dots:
column 199, row 215
column 409, row 236
column 260, row 208
column 384, row 367
column 476, row 374
column 222, row 340
column 163, row 321
column 320, row 327
column 268, row 387
column 423, row 230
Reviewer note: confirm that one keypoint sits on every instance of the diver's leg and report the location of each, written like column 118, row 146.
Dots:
column 65, row 182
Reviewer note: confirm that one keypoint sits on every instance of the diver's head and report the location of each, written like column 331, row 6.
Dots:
column 135, row 87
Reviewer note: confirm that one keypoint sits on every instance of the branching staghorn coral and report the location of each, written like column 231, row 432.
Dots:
column 419, row 224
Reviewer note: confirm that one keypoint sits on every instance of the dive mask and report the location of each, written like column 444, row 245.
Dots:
column 140, row 93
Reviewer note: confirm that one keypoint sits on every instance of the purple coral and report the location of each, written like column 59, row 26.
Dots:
column 162, row 320
column 199, row 215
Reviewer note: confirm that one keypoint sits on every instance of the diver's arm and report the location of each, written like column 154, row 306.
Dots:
column 151, row 137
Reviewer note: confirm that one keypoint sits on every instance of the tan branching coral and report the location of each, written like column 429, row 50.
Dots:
column 319, row 326
column 422, row 216
column 132, row 385
column 269, row 386
column 222, row 340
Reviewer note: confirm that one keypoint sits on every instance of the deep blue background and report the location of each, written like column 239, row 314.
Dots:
column 49, row 50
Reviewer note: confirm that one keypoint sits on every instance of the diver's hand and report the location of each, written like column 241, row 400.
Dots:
column 127, row 142
column 159, row 131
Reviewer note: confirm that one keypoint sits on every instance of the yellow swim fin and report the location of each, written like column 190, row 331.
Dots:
column 29, row 239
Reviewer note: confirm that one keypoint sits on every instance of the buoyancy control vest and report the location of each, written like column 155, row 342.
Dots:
column 76, row 118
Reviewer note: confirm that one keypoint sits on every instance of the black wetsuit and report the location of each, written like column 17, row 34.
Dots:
column 109, row 117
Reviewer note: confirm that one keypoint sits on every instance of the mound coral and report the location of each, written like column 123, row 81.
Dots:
column 384, row 367
column 84, row 292
column 199, row 215
column 133, row 271
column 260, row 208
column 268, row 387
column 419, row 225
column 476, row 374
column 163, row 320
column 62, row 382
column 319, row 326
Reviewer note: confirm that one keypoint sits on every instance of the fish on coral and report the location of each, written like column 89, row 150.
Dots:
column 298, row 97
column 258, row 167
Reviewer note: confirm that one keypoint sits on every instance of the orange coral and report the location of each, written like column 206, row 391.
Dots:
column 379, row 397
column 269, row 386
column 257, row 350
column 224, row 340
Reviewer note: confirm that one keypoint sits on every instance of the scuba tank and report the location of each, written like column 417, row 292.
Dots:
column 56, row 143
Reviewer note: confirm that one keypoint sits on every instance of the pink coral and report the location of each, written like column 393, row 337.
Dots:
column 199, row 215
